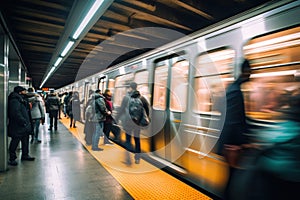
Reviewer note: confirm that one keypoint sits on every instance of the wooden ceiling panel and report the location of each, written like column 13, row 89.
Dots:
column 125, row 30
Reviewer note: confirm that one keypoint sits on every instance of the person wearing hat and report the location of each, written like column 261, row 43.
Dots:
column 19, row 124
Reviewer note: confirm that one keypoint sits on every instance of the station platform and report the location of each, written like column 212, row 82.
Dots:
column 66, row 169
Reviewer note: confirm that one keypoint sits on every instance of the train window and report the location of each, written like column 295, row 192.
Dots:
column 102, row 83
column 275, row 73
column 160, row 87
column 141, row 78
column 179, row 83
column 213, row 75
column 120, row 88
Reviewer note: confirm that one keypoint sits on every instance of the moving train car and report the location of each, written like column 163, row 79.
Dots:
column 185, row 83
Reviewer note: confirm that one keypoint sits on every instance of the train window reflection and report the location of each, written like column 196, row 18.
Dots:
column 275, row 73
column 141, row 78
column 213, row 75
column 160, row 87
column 179, row 83
column 120, row 88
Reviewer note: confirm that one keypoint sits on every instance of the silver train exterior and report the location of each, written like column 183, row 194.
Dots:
column 185, row 83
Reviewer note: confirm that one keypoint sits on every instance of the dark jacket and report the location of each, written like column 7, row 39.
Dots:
column 123, row 112
column 19, row 116
column 75, row 108
column 52, row 102
column 235, row 126
column 100, row 108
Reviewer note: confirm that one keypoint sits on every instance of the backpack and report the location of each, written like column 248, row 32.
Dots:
column 137, row 112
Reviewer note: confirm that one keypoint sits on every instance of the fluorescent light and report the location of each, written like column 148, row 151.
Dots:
column 57, row 61
column 87, row 18
column 67, row 48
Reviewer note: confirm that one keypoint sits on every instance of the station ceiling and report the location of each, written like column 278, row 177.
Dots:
column 126, row 29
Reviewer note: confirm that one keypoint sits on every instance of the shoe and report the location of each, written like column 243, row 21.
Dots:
column 50, row 129
column 28, row 158
column 55, row 129
column 108, row 143
column 137, row 161
column 97, row 149
column 32, row 140
column 38, row 141
column 74, row 126
column 12, row 163
column 70, row 125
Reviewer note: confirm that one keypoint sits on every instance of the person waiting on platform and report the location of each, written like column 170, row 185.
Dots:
column 37, row 112
column 52, row 104
column 99, row 117
column 74, row 109
column 19, row 124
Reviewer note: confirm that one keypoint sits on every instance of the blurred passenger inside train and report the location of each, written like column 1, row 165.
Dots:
column 130, row 127
column 74, row 109
column 108, row 124
column 19, row 124
column 99, row 117
column 233, row 138
column 52, row 105
column 37, row 112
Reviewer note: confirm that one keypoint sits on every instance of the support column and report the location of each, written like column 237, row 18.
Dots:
column 4, row 49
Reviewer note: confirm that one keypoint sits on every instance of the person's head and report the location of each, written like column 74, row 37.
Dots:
column 98, row 91
column 52, row 91
column 245, row 70
column 107, row 93
column 20, row 90
column 31, row 89
column 132, row 86
column 76, row 94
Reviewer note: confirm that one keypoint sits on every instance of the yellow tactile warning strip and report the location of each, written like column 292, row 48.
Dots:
column 142, row 181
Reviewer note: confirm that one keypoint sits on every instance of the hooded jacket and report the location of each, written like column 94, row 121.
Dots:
column 19, row 116
column 37, row 111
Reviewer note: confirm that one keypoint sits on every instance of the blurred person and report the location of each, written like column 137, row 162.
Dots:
column 233, row 138
column 130, row 127
column 277, row 166
column 99, row 118
column 74, row 109
column 66, row 103
column 89, row 126
column 109, row 119
column 19, row 124
column 37, row 112
column 52, row 104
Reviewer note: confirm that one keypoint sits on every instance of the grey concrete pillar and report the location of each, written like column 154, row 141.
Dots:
column 4, row 49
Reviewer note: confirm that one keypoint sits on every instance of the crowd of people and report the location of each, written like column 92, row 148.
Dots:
column 27, row 109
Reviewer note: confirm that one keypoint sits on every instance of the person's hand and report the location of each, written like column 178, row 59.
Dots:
column 108, row 112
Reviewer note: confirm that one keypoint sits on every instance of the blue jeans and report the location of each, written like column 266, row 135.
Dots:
column 96, row 136
column 36, row 128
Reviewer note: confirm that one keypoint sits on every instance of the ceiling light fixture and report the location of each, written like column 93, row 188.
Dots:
column 91, row 17
column 87, row 18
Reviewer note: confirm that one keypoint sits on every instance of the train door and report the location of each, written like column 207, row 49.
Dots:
column 169, row 106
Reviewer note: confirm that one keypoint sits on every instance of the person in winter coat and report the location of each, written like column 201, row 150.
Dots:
column 37, row 112
column 99, row 117
column 74, row 110
column 127, row 123
column 19, row 125
column 89, row 126
column 109, row 119
column 52, row 103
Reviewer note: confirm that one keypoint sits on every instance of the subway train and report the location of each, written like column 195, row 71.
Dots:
column 185, row 83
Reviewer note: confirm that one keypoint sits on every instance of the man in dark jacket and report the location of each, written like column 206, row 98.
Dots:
column 130, row 127
column 52, row 104
column 19, row 126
